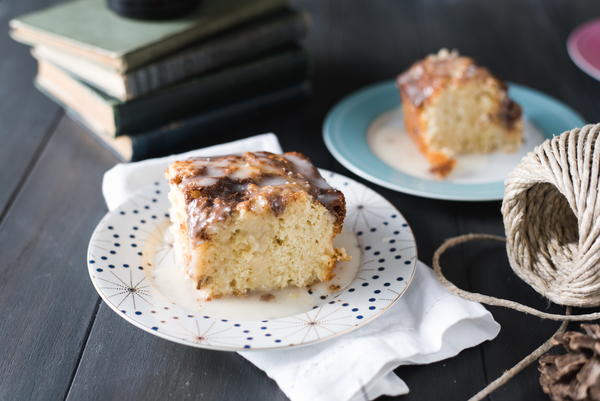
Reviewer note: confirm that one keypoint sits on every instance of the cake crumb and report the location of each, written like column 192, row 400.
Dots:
column 342, row 255
column 267, row 297
column 334, row 287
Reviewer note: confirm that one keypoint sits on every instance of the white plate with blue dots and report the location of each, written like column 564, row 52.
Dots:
column 132, row 266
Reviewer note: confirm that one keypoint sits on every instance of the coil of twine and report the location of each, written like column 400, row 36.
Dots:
column 551, row 214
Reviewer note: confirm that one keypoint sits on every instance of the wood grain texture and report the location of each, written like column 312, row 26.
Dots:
column 47, row 301
column 27, row 119
column 122, row 362
column 59, row 348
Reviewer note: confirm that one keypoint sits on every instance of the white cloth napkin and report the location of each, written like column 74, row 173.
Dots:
column 427, row 324
column 124, row 179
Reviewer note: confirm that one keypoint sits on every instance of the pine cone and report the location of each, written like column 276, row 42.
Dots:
column 574, row 376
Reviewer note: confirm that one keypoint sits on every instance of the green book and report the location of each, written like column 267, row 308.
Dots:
column 110, row 117
column 233, row 47
column 87, row 28
column 192, row 132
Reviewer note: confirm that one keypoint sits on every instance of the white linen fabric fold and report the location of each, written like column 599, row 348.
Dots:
column 121, row 181
column 427, row 324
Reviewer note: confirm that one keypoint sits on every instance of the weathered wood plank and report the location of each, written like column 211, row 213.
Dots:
column 47, row 302
column 122, row 362
column 27, row 118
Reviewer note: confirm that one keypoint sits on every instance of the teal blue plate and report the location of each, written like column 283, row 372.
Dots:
column 345, row 134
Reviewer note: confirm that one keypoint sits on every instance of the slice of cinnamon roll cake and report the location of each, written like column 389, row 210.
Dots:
column 256, row 221
column 452, row 107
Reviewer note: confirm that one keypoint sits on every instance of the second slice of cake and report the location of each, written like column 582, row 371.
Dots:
column 257, row 221
column 452, row 106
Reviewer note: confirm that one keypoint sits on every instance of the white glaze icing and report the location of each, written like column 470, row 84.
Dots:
column 388, row 139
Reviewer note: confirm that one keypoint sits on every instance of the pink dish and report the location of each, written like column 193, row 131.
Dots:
column 583, row 46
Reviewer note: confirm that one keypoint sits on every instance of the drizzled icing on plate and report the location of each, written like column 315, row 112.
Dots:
column 119, row 268
column 171, row 282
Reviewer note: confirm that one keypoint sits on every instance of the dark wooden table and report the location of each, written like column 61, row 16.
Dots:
column 59, row 341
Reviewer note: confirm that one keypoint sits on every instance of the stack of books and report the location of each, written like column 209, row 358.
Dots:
column 147, row 88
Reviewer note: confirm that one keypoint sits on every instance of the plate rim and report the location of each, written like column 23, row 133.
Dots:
column 104, row 297
column 575, row 54
column 328, row 137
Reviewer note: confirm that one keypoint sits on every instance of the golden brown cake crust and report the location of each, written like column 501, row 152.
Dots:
column 423, row 83
column 213, row 187
column 430, row 75
column 441, row 163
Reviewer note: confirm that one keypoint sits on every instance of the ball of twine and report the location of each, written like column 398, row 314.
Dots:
column 551, row 212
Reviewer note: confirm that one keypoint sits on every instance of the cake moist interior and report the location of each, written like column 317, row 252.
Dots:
column 255, row 221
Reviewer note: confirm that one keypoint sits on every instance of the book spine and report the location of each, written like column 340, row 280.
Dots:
column 235, row 47
column 210, row 91
column 193, row 132
column 210, row 25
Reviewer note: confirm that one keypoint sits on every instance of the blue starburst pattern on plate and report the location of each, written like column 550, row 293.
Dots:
column 119, row 273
